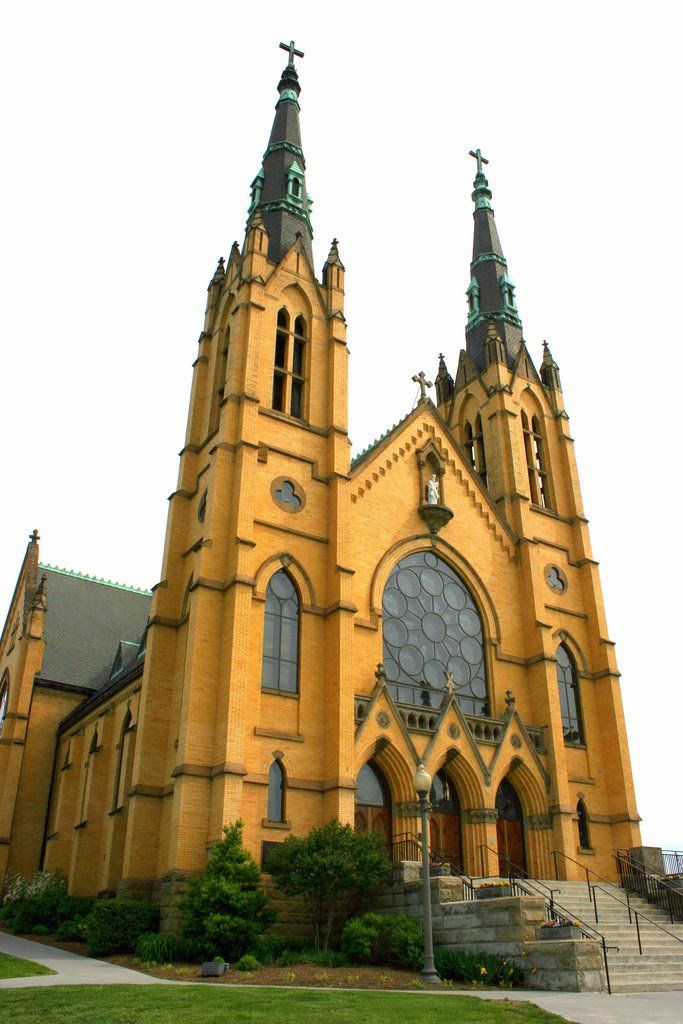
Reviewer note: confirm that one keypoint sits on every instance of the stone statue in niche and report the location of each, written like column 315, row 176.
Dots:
column 433, row 497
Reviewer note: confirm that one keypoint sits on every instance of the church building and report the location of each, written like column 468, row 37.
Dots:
column 324, row 623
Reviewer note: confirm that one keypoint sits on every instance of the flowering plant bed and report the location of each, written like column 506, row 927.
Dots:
column 493, row 890
column 561, row 930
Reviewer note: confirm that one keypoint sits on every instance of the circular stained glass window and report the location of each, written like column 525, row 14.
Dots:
column 431, row 626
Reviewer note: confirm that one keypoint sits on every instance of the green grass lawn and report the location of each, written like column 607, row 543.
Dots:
column 157, row 1004
column 13, row 967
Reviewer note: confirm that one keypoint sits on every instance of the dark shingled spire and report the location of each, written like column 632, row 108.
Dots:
column 279, row 189
column 491, row 294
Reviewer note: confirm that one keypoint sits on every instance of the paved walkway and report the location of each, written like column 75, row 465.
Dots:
column 578, row 1007
column 71, row 969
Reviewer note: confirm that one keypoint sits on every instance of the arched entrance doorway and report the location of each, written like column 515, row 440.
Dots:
column 373, row 803
column 509, row 831
column 444, row 833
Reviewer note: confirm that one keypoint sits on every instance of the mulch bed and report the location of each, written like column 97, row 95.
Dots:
column 300, row 974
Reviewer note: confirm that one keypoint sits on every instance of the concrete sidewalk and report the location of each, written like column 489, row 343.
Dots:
column 71, row 969
column 578, row 1007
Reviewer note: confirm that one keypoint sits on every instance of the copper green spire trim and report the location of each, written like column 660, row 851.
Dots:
column 482, row 193
column 279, row 189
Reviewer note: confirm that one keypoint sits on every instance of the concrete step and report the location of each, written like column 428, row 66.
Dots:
column 645, row 986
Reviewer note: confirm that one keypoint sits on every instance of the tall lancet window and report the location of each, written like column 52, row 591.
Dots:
column 280, row 667
column 276, row 792
column 298, row 358
column 479, row 451
column 570, row 702
column 289, row 372
column 280, row 370
column 469, row 444
column 536, row 463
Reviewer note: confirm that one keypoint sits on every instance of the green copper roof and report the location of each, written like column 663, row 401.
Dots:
column 94, row 579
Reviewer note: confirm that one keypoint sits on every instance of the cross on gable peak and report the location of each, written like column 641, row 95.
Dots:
column 420, row 378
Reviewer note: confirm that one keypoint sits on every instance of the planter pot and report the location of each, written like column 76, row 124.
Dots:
column 212, row 970
column 493, row 892
column 565, row 931
column 440, row 872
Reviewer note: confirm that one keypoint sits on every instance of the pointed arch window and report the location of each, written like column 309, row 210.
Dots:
column 479, row 450
column 276, row 792
column 570, row 702
column 280, row 666
column 4, row 698
column 87, row 776
column 122, row 758
column 473, row 297
column 584, row 831
column 289, row 372
column 469, row 444
column 536, row 464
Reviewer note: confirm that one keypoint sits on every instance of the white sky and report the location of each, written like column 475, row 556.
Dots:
column 130, row 134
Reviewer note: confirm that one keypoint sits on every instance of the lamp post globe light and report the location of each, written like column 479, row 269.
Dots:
column 422, row 782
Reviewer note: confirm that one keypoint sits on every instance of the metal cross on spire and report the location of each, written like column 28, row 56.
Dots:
column 420, row 379
column 476, row 153
column 292, row 51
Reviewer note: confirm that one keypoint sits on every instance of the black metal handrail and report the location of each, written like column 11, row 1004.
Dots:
column 553, row 910
column 515, row 872
column 673, row 862
column 408, row 846
column 632, row 910
column 589, row 871
column 655, row 889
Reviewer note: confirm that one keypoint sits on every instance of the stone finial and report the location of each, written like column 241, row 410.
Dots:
column 34, row 537
column 219, row 272
column 550, row 371
column 443, row 382
column 509, row 699
column 381, row 673
column 450, row 684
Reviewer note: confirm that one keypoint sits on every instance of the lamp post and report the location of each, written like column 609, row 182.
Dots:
column 422, row 781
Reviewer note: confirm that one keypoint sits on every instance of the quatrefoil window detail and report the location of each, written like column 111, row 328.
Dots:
column 287, row 494
column 555, row 579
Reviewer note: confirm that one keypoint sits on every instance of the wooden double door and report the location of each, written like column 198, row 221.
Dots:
column 445, row 835
column 510, row 832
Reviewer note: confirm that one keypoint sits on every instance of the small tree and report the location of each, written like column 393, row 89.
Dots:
column 329, row 866
column 226, row 908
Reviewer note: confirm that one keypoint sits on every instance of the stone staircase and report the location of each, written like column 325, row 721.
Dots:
column 660, row 968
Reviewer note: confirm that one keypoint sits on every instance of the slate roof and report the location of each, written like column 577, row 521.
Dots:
column 86, row 620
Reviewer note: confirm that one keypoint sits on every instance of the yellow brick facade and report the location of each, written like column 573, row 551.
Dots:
column 144, row 781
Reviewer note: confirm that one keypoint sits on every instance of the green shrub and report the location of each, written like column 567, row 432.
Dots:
column 40, row 900
column 226, row 908
column 384, row 941
column 247, row 963
column 155, row 948
column 40, row 929
column 114, row 926
column 318, row 957
column 71, row 931
column 478, row 968
column 328, row 868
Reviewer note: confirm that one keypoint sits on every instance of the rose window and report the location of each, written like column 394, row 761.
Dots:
column 431, row 627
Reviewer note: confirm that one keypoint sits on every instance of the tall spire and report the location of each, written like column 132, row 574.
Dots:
column 279, row 189
column 491, row 293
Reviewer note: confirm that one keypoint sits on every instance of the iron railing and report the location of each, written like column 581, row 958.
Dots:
column 653, row 888
column 408, row 846
column 554, row 911
column 588, row 872
column 673, row 862
column 632, row 912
